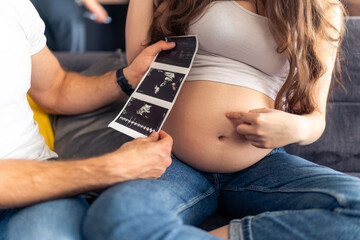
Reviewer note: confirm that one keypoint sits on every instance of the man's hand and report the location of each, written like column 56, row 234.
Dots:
column 27, row 182
column 95, row 8
column 139, row 159
column 138, row 67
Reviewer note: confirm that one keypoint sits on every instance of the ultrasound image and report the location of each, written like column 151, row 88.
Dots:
column 161, row 84
column 142, row 116
column 181, row 55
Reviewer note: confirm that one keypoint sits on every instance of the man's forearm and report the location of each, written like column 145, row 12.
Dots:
column 25, row 182
column 83, row 94
column 79, row 94
column 58, row 91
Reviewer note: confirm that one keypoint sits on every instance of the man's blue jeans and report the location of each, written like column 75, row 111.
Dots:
column 58, row 219
column 280, row 197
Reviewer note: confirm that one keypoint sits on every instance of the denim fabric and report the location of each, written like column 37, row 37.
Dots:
column 153, row 209
column 58, row 219
column 5, row 216
column 287, row 197
column 280, row 197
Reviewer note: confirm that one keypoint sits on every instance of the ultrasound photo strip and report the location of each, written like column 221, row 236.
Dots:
column 182, row 54
column 140, row 118
column 132, row 122
column 161, row 84
column 149, row 105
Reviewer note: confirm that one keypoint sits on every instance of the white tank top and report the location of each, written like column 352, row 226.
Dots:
column 236, row 47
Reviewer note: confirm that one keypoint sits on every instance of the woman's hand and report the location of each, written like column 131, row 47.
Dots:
column 267, row 128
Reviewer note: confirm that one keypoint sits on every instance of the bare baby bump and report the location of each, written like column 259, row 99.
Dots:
column 203, row 136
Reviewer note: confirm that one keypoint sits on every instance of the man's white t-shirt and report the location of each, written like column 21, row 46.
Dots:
column 22, row 35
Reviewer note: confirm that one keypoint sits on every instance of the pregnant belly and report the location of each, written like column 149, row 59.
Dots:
column 203, row 137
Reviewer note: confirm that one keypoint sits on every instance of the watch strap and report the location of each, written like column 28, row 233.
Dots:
column 123, row 82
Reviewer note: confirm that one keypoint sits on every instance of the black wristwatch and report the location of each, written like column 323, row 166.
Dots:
column 123, row 82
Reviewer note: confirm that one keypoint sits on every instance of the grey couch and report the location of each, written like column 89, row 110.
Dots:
column 339, row 147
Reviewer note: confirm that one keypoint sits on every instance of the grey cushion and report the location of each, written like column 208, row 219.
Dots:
column 338, row 147
column 350, row 63
column 87, row 135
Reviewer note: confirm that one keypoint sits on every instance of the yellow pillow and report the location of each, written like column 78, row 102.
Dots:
column 42, row 118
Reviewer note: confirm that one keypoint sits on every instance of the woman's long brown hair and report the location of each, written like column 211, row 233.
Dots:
column 296, row 25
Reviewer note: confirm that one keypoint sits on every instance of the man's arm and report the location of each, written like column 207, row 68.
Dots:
column 25, row 182
column 58, row 91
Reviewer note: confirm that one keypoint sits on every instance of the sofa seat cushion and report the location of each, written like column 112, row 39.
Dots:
column 88, row 135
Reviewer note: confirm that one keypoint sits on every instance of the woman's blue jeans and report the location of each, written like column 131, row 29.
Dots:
column 58, row 219
column 280, row 197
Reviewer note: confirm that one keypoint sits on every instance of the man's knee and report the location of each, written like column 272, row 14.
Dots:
column 134, row 195
column 58, row 219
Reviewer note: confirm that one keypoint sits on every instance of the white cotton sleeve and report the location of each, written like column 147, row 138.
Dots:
column 34, row 29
